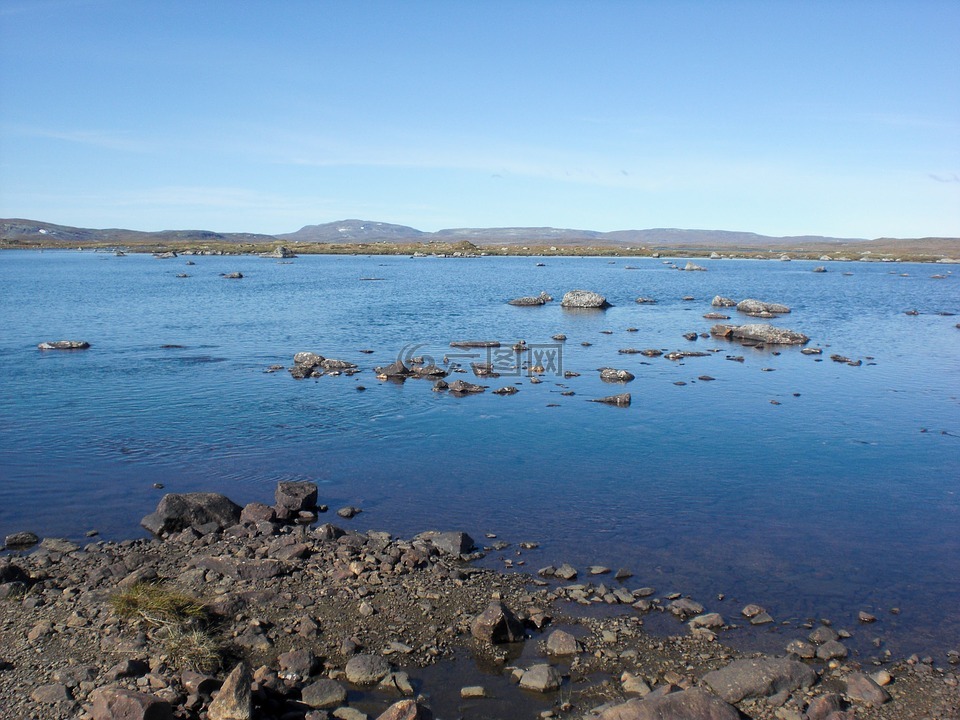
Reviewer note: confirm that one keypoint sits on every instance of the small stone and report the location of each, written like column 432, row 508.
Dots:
column 348, row 512
column 473, row 691
column 234, row 701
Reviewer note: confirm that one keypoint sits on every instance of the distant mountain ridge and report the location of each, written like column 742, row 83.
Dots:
column 17, row 231
column 371, row 231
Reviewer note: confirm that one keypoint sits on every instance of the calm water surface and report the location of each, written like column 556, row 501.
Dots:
column 841, row 497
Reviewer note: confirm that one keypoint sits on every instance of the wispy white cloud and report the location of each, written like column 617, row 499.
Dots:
column 120, row 141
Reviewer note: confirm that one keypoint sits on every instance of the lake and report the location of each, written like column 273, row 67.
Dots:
column 814, row 488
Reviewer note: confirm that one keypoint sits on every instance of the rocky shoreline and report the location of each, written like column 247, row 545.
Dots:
column 260, row 612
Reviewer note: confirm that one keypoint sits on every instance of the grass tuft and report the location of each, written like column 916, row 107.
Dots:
column 157, row 605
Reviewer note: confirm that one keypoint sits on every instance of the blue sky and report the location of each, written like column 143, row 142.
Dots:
column 783, row 118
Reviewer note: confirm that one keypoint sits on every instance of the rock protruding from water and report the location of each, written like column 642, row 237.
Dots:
column 366, row 669
column 760, row 333
column 294, row 496
column 531, row 300
column 203, row 511
column 756, row 307
column 759, row 678
column 406, row 710
column 448, row 543
column 497, row 624
column 280, row 252
column 613, row 375
column 621, row 400
column 583, row 299
column 64, row 345
column 693, row 267
column 720, row 301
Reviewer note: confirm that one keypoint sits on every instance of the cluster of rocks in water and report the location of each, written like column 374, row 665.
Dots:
column 309, row 622
column 757, row 335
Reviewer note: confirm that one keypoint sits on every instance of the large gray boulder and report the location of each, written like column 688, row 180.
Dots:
column 179, row 511
column 583, row 299
column 759, row 677
column 760, row 333
column 692, row 704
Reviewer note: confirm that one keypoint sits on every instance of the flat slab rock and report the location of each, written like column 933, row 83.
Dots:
column 692, row 704
column 759, row 677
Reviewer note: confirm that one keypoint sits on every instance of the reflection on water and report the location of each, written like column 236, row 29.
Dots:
column 809, row 486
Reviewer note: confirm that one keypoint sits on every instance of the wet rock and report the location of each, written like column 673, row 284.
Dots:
column 716, row 316
column 296, row 496
column 862, row 689
column 801, row 649
column 819, row 269
column 759, row 677
column 497, row 624
column 541, row 299
column 583, row 299
column 685, row 607
column 366, row 669
column 396, row 369
column 461, row 387
column 177, row 512
column 566, row 572
column 116, row 703
column 234, row 701
column 823, row 633
column 324, row 694
column 646, row 301
column 233, row 276
column 64, row 345
column 541, row 678
column 760, row 332
column 832, row 650
column 621, row 400
column 308, row 359
column 758, row 306
column 692, row 704
column 693, row 267
column 348, row 512
column 449, row 543
column 507, row 390
column 560, row 642
column 406, row 710
column 614, row 375
column 19, row 540
column 475, row 344
column 335, row 364
column 719, row 301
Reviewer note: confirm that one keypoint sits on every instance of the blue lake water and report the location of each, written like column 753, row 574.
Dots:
column 842, row 497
